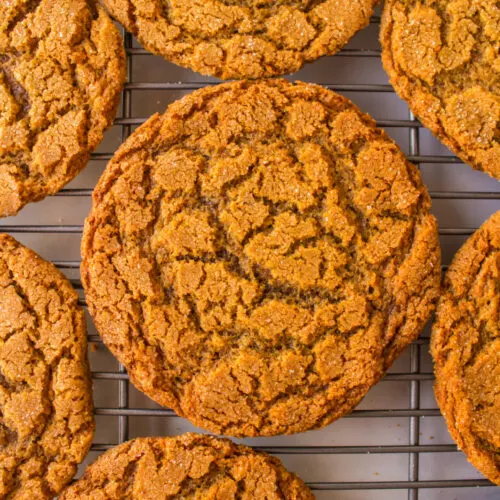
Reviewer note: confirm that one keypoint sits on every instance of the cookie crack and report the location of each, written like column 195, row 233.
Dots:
column 23, row 11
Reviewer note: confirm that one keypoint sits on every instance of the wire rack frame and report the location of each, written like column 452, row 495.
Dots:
column 414, row 376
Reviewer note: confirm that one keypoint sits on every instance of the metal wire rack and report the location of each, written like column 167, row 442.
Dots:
column 416, row 467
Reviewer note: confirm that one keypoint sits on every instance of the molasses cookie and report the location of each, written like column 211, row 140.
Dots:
column 466, row 349
column 443, row 58
column 46, row 418
column 61, row 73
column 258, row 255
column 189, row 466
column 233, row 39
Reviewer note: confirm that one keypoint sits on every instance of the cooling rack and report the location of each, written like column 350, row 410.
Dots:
column 395, row 445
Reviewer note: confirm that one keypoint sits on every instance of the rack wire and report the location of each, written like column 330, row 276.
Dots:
column 415, row 485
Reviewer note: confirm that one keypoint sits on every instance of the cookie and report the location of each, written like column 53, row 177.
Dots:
column 258, row 255
column 46, row 413
column 443, row 58
column 232, row 39
column 465, row 345
column 62, row 68
column 189, row 466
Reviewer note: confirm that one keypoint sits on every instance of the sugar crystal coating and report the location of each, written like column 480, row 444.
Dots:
column 46, row 417
column 258, row 255
column 465, row 345
column 62, row 68
column 443, row 58
column 191, row 466
column 242, row 39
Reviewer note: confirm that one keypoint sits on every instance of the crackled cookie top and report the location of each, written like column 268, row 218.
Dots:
column 46, row 420
column 443, row 57
column 242, row 39
column 190, row 466
column 258, row 255
column 466, row 349
column 61, row 73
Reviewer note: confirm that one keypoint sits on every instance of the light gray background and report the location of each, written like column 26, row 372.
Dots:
column 461, row 213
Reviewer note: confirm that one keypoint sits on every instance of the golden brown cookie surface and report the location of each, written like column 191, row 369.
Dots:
column 466, row 349
column 250, row 39
column 61, row 73
column 46, row 418
column 443, row 58
column 189, row 466
column 258, row 255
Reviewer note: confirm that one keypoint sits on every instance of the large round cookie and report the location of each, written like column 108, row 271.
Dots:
column 259, row 255
column 233, row 39
column 46, row 418
column 61, row 72
column 466, row 349
column 443, row 59
column 189, row 466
